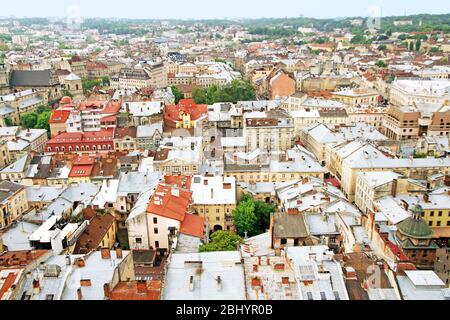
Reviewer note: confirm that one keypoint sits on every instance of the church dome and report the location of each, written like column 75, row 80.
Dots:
column 66, row 100
column 415, row 227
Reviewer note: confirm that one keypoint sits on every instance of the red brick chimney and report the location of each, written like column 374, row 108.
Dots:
column 81, row 263
column 107, row 290
column 119, row 253
column 79, row 294
column 106, row 253
column 141, row 286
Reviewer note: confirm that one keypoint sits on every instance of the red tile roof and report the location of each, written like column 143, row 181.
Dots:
column 151, row 290
column 92, row 237
column 165, row 204
column 83, row 160
column 112, row 107
column 112, row 118
column 188, row 106
column 95, row 136
column 334, row 182
column 179, row 181
column 81, row 171
column 8, row 282
column 59, row 116
column 193, row 226
column 20, row 258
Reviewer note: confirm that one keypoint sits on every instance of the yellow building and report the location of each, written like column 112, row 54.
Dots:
column 13, row 202
column 214, row 198
column 354, row 97
column 101, row 233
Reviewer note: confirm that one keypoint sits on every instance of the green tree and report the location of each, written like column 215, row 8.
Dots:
column 29, row 120
column 222, row 241
column 178, row 94
column 418, row 45
column 8, row 122
column 381, row 64
column 411, row 46
column 358, row 39
column 252, row 216
column 237, row 90
column 382, row 47
column 105, row 81
column 89, row 84
column 43, row 121
column 245, row 218
column 263, row 211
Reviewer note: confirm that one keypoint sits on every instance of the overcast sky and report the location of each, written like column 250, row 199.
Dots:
column 204, row 9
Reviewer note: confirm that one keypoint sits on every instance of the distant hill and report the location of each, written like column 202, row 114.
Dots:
column 411, row 23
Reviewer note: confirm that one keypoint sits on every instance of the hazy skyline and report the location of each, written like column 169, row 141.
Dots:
column 213, row 9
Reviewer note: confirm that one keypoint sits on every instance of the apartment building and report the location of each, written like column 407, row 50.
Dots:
column 407, row 92
column 411, row 122
column 14, row 105
column 156, row 224
column 179, row 155
column 269, row 131
column 13, row 202
column 130, row 78
column 214, row 199
column 354, row 97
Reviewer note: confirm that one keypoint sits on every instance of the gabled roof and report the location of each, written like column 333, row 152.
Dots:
column 92, row 237
column 170, row 202
column 193, row 226
column 59, row 116
column 25, row 78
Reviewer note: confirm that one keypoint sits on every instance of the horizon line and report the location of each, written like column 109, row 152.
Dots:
column 223, row 18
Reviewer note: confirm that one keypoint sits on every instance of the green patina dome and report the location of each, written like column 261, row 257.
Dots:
column 415, row 226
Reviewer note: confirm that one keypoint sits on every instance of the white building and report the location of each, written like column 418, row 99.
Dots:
column 410, row 92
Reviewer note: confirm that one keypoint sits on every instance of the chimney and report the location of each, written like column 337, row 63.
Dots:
column 394, row 188
column 107, row 290
column 191, row 283
column 219, row 283
column 205, row 182
column 119, row 253
column 36, row 286
column 212, row 193
column 81, row 263
column 259, row 261
column 106, row 253
column 142, row 286
column 79, row 294
column 426, row 198
column 255, row 268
